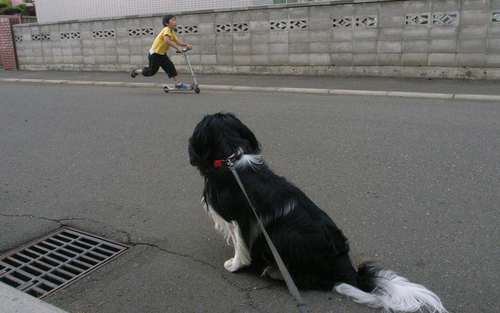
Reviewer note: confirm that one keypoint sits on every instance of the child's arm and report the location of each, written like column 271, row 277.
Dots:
column 176, row 44
column 183, row 44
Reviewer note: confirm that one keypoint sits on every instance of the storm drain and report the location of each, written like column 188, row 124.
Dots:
column 56, row 260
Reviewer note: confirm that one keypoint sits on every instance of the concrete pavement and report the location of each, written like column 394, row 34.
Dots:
column 15, row 301
column 327, row 85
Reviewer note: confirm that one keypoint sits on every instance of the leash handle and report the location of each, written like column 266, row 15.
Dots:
column 301, row 305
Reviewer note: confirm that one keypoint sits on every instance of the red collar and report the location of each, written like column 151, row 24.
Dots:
column 223, row 162
column 227, row 162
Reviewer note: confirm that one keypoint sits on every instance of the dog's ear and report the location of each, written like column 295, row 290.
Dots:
column 199, row 143
column 240, row 136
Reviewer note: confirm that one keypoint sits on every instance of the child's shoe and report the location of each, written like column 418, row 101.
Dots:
column 180, row 85
column 132, row 73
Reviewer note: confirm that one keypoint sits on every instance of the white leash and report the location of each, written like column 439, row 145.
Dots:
column 301, row 305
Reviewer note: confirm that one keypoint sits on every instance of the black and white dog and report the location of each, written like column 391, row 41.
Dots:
column 313, row 248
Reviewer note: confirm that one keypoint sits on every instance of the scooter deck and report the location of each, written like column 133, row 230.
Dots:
column 167, row 88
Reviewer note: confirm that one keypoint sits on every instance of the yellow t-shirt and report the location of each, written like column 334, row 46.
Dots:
column 159, row 45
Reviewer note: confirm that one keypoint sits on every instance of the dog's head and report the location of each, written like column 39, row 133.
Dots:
column 220, row 136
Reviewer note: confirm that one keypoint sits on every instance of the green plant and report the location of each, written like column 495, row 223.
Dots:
column 6, row 8
column 5, row 4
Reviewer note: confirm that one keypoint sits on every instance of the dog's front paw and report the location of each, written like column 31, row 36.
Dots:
column 233, row 264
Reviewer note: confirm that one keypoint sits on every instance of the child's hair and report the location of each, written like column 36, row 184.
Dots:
column 167, row 18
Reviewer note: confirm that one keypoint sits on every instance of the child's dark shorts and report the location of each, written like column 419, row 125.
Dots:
column 159, row 60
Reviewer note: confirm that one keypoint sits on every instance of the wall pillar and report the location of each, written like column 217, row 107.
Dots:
column 8, row 56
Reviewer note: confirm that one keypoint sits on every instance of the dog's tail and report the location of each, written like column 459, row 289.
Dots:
column 384, row 289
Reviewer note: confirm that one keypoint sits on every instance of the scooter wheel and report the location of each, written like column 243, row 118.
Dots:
column 197, row 89
column 166, row 89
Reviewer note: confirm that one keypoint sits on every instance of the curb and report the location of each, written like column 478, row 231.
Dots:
column 15, row 301
column 420, row 95
column 344, row 92
column 372, row 93
column 477, row 97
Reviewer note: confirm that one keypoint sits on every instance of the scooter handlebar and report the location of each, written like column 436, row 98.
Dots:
column 185, row 49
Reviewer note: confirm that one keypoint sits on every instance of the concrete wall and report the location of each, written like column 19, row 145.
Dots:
column 49, row 11
column 439, row 38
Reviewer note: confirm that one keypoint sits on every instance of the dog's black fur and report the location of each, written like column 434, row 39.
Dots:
column 313, row 248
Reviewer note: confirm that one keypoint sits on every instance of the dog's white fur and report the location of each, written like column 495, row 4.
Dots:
column 231, row 232
column 394, row 293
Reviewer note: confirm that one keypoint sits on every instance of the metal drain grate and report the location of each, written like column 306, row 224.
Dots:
column 56, row 260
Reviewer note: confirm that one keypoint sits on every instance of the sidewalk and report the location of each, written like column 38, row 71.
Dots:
column 365, row 86
column 15, row 301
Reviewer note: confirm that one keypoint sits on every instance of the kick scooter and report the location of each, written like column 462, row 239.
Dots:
column 193, row 86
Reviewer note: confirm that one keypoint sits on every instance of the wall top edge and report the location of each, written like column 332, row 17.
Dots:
column 222, row 10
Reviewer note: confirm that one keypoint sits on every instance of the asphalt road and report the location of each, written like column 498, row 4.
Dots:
column 414, row 184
